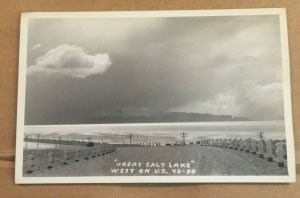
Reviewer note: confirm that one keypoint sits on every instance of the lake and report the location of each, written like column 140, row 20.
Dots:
column 163, row 132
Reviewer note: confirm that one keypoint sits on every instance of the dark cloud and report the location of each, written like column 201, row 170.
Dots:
column 199, row 64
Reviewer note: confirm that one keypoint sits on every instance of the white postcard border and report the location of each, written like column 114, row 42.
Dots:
column 281, row 12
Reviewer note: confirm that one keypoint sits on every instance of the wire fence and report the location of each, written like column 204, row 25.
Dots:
column 35, row 161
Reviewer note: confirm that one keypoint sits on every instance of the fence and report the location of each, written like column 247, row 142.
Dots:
column 140, row 144
column 45, row 159
column 270, row 150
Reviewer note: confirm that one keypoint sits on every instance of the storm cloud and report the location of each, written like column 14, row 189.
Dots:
column 219, row 65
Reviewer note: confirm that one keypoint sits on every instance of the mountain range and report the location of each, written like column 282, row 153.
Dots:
column 162, row 117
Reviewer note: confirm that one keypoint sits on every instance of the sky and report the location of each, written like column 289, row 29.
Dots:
column 80, row 69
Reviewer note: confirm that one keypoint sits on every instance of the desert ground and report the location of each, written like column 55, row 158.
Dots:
column 189, row 160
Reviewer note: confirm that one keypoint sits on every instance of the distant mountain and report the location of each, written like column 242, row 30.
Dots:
column 159, row 117
column 67, row 136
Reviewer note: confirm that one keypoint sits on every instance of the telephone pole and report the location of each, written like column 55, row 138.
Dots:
column 59, row 141
column 183, row 138
column 130, row 137
column 26, row 139
column 260, row 135
column 38, row 141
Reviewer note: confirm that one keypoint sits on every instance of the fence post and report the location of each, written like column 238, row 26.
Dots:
column 281, row 153
column 230, row 143
column 269, row 153
column 93, row 152
column 247, row 145
column 221, row 142
column 225, row 143
column 261, row 148
column 241, row 144
column 31, row 160
column 65, row 157
column 235, row 144
column 99, row 150
column 50, row 160
column 253, row 146
column 103, row 150
column 77, row 155
column 210, row 142
column 88, row 152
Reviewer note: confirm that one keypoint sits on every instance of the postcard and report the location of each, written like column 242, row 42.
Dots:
column 198, row 96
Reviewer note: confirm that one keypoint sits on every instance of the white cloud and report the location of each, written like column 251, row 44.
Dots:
column 222, row 104
column 250, row 99
column 263, row 101
column 69, row 60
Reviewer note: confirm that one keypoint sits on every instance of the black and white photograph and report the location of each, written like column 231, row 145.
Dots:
column 154, row 97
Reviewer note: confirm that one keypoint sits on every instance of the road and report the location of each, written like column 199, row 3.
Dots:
column 128, row 161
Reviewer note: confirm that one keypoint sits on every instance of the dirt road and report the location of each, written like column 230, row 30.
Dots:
column 180, row 160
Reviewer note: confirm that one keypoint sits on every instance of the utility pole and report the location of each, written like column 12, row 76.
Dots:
column 59, row 141
column 260, row 135
column 38, row 141
column 130, row 137
column 26, row 139
column 183, row 138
